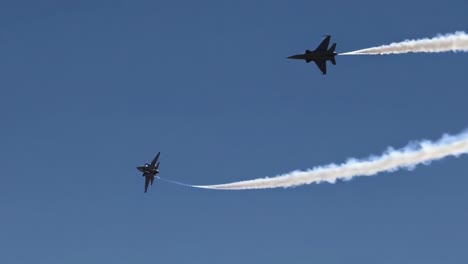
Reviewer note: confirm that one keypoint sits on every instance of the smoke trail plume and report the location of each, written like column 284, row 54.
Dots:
column 422, row 152
column 457, row 41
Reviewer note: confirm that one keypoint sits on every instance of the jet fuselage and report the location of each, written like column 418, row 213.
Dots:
column 314, row 55
column 148, row 169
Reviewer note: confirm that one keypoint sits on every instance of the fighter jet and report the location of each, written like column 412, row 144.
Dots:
column 150, row 170
column 320, row 55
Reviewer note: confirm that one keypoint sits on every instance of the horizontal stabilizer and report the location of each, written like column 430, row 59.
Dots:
column 333, row 61
column 332, row 48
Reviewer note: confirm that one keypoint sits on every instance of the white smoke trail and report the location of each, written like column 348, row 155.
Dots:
column 422, row 152
column 457, row 41
column 174, row 182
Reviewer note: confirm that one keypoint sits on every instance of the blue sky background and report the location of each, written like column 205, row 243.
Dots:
column 91, row 89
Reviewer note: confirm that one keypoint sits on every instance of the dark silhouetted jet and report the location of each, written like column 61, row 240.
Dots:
column 150, row 170
column 320, row 55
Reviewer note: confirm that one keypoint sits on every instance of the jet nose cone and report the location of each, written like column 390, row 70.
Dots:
column 296, row 57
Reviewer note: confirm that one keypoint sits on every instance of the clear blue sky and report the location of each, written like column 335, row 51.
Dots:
column 91, row 89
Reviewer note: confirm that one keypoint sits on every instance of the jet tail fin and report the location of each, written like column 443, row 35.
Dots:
column 332, row 48
column 333, row 61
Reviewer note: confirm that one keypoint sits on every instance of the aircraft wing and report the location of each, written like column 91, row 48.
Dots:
column 147, row 181
column 322, row 64
column 324, row 45
column 155, row 159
